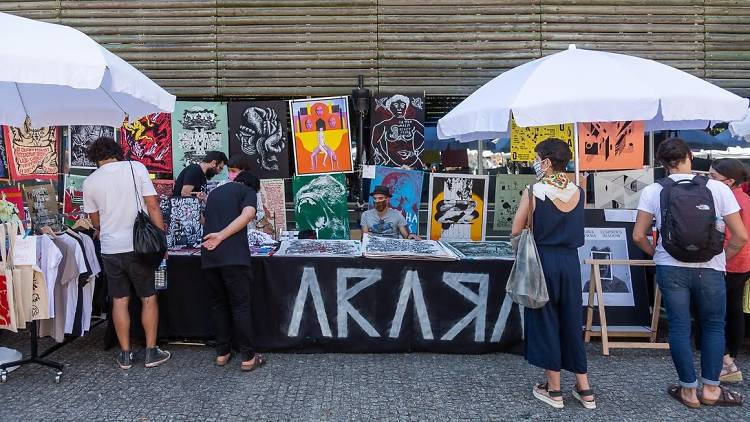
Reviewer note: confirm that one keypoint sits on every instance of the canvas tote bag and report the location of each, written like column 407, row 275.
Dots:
column 526, row 285
column 7, row 297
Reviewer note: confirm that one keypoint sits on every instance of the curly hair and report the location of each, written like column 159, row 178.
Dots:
column 104, row 148
column 672, row 152
column 556, row 150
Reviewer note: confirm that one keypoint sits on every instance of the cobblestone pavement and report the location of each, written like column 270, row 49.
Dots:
column 630, row 384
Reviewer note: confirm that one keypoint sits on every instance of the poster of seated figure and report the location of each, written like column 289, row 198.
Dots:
column 320, row 205
column 185, row 229
column 397, row 130
column 607, row 243
column 406, row 191
column 621, row 189
column 457, row 207
column 321, row 139
column 508, row 191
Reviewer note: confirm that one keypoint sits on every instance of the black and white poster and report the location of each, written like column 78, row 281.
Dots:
column 81, row 136
column 185, row 229
column 607, row 243
column 397, row 130
column 260, row 130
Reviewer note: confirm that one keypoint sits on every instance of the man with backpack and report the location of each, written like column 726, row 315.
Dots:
column 691, row 213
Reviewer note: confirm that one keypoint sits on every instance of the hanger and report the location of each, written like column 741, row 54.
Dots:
column 48, row 231
column 83, row 223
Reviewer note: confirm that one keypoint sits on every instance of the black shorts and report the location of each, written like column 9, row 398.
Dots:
column 124, row 270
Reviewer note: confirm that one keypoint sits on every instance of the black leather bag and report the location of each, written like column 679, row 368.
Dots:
column 149, row 241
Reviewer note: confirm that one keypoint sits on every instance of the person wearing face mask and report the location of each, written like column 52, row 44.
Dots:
column 383, row 220
column 193, row 179
column 553, row 338
column 733, row 173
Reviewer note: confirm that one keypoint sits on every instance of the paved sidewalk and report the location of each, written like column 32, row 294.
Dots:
column 631, row 386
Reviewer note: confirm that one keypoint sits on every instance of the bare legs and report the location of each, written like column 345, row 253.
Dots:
column 149, row 319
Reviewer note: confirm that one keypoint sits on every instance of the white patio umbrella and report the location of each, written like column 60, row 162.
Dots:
column 590, row 86
column 56, row 75
column 741, row 128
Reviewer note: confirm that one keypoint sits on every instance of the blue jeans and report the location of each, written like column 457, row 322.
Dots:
column 707, row 290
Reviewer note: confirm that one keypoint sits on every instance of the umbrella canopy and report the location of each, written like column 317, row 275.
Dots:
column 741, row 128
column 590, row 86
column 56, row 75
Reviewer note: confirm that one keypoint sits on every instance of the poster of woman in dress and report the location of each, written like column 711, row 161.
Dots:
column 32, row 153
column 397, row 130
column 149, row 140
column 321, row 137
column 457, row 207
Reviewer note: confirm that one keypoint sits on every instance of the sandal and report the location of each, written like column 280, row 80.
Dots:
column 256, row 362
column 223, row 359
column 675, row 391
column 730, row 373
column 580, row 394
column 548, row 398
column 726, row 398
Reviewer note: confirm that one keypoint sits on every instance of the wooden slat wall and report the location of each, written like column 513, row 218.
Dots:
column 292, row 48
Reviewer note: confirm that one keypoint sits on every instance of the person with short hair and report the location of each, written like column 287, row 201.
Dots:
column 384, row 221
column 193, row 179
column 733, row 173
column 553, row 337
column 112, row 196
column 682, row 283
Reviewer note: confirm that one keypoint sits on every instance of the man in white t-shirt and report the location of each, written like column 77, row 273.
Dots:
column 699, row 282
column 112, row 196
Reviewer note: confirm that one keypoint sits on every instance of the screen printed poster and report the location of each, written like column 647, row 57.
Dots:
column 274, row 203
column 32, row 153
column 73, row 198
column 406, row 191
column 81, row 136
column 397, row 130
column 15, row 197
column 149, row 141
column 320, row 205
column 509, row 189
column 259, row 129
column 610, row 145
column 198, row 127
column 523, row 140
column 321, row 136
column 457, row 207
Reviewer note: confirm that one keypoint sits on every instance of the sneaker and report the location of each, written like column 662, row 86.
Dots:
column 124, row 359
column 155, row 357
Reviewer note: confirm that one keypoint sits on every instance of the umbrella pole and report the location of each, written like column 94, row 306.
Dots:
column 480, row 158
column 575, row 153
column 651, row 149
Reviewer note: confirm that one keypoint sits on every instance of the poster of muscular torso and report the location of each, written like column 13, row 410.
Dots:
column 397, row 130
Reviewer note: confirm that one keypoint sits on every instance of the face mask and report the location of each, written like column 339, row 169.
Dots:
column 232, row 176
column 538, row 170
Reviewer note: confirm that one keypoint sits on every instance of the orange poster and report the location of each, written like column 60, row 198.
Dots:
column 320, row 130
column 610, row 145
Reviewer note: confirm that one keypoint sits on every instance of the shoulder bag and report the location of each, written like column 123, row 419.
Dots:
column 149, row 241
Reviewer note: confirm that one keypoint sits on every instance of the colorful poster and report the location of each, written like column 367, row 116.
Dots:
column 3, row 156
column 15, row 197
column 406, row 188
column 43, row 210
column 621, row 189
column 32, row 153
column 149, row 140
column 198, row 127
column 274, row 204
column 185, row 229
column 259, row 129
column 457, row 207
column 523, row 140
column 397, row 130
column 320, row 131
column 607, row 243
column 610, row 145
column 320, row 205
column 80, row 138
column 73, row 198
column 508, row 191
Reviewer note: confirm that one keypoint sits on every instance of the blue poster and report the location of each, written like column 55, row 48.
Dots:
column 406, row 188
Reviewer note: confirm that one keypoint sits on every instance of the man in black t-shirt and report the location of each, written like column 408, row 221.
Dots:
column 225, row 259
column 193, row 178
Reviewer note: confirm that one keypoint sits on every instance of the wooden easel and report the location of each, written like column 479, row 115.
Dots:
column 595, row 287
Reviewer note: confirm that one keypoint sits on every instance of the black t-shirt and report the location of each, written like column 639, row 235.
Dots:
column 224, row 204
column 191, row 175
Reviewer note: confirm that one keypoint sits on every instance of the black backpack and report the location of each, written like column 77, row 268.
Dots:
column 688, row 220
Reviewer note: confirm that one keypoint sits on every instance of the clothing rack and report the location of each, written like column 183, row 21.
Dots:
column 33, row 358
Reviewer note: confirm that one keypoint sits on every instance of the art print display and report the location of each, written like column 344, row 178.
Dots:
column 483, row 250
column 274, row 203
column 320, row 205
column 406, row 190
column 457, row 207
column 15, row 197
column 621, row 189
column 198, row 127
column 164, row 190
column 523, row 140
column 73, row 198
column 610, row 145
column 321, row 137
column 397, row 130
column 149, row 140
column 607, row 243
column 185, row 229
column 259, row 129
column 32, row 153
column 317, row 247
column 383, row 247
column 508, row 191
column 42, row 202
column 3, row 156
column 81, row 136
